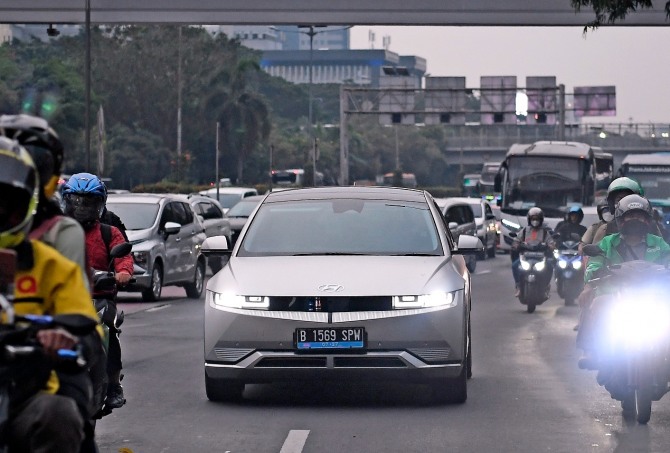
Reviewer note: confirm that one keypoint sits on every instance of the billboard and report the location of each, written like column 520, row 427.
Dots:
column 595, row 101
column 498, row 99
column 393, row 104
column 542, row 100
column 446, row 97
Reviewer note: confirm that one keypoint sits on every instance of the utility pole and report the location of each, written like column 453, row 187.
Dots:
column 561, row 112
column 87, row 114
column 179, row 111
column 217, row 161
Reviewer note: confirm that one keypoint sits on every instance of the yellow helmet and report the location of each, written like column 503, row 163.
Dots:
column 19, row 192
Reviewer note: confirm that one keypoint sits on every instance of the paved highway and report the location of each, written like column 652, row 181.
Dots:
column 527, row 394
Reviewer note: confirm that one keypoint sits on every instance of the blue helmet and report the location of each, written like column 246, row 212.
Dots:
column 577, row 210
column 84, row 195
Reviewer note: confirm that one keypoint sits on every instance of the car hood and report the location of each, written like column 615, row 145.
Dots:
column 138, row 235
column 343, row 275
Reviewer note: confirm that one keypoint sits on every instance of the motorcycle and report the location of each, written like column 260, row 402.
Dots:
column 569, row 270
column 24, row 368
column 535, row 270
column 632, row 333
column 104, row 297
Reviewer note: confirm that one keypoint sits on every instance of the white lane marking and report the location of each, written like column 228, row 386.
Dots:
column 295, row 441
column 160, row 307
column 483, row 272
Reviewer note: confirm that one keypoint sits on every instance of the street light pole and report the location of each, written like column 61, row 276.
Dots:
column 87, row 108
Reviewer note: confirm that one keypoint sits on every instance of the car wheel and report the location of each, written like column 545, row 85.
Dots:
column 223, row 390
column 453, row 391
column 153, row 293
column 194, row 289
column 469, row 360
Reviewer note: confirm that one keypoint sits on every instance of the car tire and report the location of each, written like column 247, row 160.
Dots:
column 453, row 391
column 153, row 293
column 194, row 288
column 491, row 252
column 223, row 390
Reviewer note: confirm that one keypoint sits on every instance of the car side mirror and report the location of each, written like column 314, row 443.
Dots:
column 171, row 228
column 453, row 225
column 468, row 245
column 490, row 217
column 215, row 245
column 512, row 234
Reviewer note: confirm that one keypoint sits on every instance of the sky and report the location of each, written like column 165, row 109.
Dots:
column 634, row 59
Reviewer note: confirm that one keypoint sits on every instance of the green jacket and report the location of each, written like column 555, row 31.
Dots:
column 610, row 245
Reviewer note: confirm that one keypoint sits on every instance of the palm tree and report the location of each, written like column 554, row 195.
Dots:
column 243, row 114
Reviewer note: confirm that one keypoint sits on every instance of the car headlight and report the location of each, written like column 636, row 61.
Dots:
column 577, row 264
column 525, row 265
column 539, row 266
column 221, row 301
column 436, row 299
column 141, row 257
column 562, row 264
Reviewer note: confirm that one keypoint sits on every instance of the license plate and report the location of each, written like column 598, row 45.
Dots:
column 330, row 338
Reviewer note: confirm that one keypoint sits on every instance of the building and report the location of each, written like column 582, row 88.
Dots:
column 325, row 38
column 258, row 37
column 361, row 67
column 26, row 32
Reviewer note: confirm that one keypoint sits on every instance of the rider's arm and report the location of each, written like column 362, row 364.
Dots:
column 125, row 263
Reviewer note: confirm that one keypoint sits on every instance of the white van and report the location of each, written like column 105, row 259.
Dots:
column 229, row 196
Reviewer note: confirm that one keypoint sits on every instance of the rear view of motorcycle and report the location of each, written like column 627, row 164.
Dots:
column 632, row 333
column 535, row 272
column 569, row 270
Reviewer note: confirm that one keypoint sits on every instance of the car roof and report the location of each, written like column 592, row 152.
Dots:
column 552, row 148
column 141, row 197
column 452, row 201
column 361, row 192
column 235, row 190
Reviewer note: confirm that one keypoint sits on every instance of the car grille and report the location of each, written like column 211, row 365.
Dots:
column 231, row 354
column 292, row 362
column 338, row 362
column 331, row 304
column 432, row 355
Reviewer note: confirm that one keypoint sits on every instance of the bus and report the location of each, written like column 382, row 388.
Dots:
column 553, row 176
column 652, row 171
column 487, row 180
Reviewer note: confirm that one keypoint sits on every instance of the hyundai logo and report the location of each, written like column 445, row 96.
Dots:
column 331, row 288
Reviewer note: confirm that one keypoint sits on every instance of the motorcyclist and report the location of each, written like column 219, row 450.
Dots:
column 45, row 283
column 634, row 241
column 84, row 195
column 617, row 189
column 533, row 232
column 49, row 224
column 604, row 216
column 572, row 225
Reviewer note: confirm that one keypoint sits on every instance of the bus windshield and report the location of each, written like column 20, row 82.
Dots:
column 547, row 182
column 654, row 180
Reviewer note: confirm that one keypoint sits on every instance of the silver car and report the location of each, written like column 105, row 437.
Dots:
column 341, row 283
column 166, row 235
column 214, row 221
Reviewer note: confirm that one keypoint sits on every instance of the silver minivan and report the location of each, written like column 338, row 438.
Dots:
column 460, row 217
column 166, row 236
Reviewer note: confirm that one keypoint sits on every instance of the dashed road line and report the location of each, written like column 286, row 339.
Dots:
column 295, row 441
column 160, row 307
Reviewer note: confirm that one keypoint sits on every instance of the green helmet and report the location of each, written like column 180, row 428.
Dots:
column 626, row 185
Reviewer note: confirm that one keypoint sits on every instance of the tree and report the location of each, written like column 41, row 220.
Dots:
column 611, row 11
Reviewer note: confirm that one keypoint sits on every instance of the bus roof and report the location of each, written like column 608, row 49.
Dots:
column 553, row 149
column 647, row 159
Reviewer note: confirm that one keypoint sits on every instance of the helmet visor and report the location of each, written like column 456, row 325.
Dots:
column 14, row 206
column 18, row 173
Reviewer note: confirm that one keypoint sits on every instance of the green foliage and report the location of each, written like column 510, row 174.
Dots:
column 611, row 11
column 168, row 187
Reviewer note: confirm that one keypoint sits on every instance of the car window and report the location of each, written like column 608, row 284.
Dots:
column 186, row 213
column 168, row 215
column 243, row 209
column 209, row 210
column 135, row 216
column 455, row 214
column 468, row 215
column 342, row 226
column 488, row 210
column 477, row 209
column 443, row 223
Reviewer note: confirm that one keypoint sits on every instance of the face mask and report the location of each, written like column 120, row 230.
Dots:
column 535, row 223
column 634, row 227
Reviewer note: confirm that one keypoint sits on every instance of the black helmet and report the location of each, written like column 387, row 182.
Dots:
column 535, row 212
column 42, row 143
column 576, row 210
column 627, row 207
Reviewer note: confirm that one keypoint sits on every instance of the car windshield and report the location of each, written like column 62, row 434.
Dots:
column 135, row 216
column 342, row 227
column 243, row 209
column 655, row 184
column 228, row 200
column 477, row 209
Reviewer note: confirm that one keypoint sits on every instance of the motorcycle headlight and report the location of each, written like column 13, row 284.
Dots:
column 556, row 254
column 639, row 321
column 525, row 265
column 539, row 266
column 221, row 301
column 436, row 299
column 562, row 264
column 576, row 265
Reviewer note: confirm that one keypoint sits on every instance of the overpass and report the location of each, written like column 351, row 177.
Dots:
column 314, row 12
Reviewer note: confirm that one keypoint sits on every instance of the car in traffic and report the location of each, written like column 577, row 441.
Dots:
column 214, row 221
column 166, row 235
column 345, row 284
column 229, row 196
column 485, row 220
column 460, row 218
column 239, row 214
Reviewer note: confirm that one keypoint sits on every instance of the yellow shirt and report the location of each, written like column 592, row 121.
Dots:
column 47, row 283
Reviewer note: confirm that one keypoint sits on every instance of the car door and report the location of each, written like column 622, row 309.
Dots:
column 490, row 224
column 172, row 244
column 214, row 220
column 189, row 237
